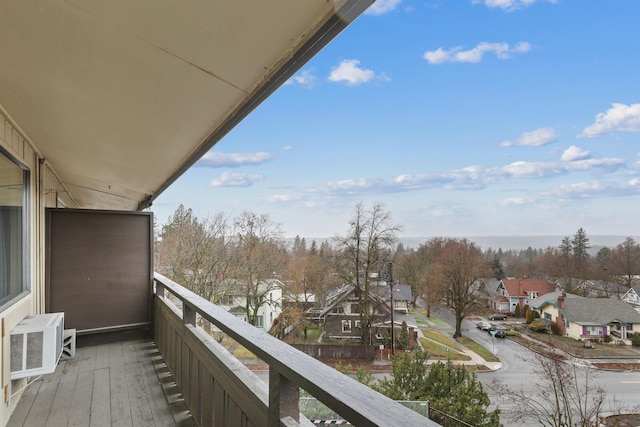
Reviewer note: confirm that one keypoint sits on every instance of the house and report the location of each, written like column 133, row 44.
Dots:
column 103, row 106
column 268, row 298
column 588, row 318
column 599, row 289
column 341, row 315
column 342, row 318
column 632, row 296
column 402, row 295
column 519, row 292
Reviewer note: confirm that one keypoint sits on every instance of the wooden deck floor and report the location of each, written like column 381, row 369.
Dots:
column 118, row 384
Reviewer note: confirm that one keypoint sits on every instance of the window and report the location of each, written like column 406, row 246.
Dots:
column 338, row 310
column 346, row 326
column 593, row 330
column 358, row 323
column 14, row 182
column 260, row 321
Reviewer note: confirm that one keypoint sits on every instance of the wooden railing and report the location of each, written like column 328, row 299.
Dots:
column 220, row 391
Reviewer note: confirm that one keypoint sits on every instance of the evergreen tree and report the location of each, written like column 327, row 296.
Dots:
column 450, row 389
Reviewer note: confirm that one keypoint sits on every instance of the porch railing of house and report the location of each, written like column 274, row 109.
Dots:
column 221, row 391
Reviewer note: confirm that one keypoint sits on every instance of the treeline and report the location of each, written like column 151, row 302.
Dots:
column 219, row 255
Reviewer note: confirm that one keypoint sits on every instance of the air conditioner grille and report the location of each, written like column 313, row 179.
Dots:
column 17, row 345
column 35, row 342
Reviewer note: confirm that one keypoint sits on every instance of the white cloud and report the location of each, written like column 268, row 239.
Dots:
column 279, row 198
column 231, row 179
column 532, row 169
column 287, row 148
column 509, row 5
column 510, row 201
column 219, row 160
column 619, row 117
column 574, row 153
column 381, row 7
column 456, row 54
column 600, row 165
column 303, row 78
column 349, row 72
column 536, row 138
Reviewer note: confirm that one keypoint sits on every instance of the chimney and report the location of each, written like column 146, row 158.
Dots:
column 561, row 300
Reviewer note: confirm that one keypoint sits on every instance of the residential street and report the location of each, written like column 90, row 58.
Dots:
column 623, row 388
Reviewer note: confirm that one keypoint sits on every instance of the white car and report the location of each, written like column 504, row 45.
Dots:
column 485, row 326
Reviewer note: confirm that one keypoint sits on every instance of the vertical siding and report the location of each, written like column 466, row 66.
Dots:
column 46, row 190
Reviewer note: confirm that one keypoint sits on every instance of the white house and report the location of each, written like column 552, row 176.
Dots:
column 268, row 298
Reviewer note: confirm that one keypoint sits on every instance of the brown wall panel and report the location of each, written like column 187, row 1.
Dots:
column 99, row 268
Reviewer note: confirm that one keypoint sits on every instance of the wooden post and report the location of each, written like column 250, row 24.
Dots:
column 284, row 397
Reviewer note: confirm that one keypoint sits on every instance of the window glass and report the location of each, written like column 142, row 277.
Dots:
column 13, row 185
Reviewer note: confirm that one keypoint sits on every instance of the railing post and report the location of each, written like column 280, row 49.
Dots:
column 188, row 315
column 159, row 289
column 284, row 397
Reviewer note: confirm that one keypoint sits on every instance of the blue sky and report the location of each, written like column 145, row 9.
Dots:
column 462, row 117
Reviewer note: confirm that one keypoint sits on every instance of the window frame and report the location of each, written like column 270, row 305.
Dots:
column 25, row 235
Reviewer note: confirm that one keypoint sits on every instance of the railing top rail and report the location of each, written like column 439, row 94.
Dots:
column 356, row 402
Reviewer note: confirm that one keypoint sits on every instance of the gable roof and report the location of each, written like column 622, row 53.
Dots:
column 339, row 294
column 512, row 286
column 550, row 299
column 400, row 292
column 599, row 311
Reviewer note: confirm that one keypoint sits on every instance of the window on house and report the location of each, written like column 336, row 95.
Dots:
column 358, row 323
column 260, row 321
column 593, row 330
column 338, row 310
column 14, row 184
column 346, row 326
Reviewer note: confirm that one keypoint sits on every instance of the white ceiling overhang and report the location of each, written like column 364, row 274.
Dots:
column 121, row 97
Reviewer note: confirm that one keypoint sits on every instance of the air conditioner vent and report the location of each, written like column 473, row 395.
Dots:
column 36, row 345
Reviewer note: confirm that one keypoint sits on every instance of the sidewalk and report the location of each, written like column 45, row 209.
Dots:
column 447, row 330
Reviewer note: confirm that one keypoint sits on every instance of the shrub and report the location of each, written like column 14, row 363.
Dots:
column 554, row 328
column 635, row 341
column 537, row 326
column 607, row 338
column 517, row 312
column 532, row 315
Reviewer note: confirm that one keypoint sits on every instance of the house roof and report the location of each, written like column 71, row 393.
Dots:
column 550, row 298
column 599, row 311
column 121, row 97
column 400, row 292
column 513, row 286
column 339, row 294
column 589, row 311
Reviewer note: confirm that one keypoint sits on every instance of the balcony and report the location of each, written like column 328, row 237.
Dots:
column 185, row 377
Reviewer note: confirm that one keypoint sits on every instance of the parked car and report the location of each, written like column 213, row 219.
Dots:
column 483, row 325
column 498, row 316
column 506, row 312
column 500, row 332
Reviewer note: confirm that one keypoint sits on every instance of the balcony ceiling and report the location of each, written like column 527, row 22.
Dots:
column 121, row 97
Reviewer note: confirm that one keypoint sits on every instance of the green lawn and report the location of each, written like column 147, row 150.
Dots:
column 439, row 351
column 478, row 349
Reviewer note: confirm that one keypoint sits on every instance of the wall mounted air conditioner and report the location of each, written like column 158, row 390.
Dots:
column 36, row 345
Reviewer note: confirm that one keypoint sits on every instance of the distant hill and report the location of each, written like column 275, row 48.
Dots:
column 523, row 242
column 507, row 242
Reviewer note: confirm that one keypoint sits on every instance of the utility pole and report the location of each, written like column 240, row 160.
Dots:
column 393, row 326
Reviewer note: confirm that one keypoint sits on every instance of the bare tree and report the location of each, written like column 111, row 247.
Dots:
column 459, row 266
column 626, row 262
column 363, row 253
column 196, row 253
column 260, row 254
column 565, row 394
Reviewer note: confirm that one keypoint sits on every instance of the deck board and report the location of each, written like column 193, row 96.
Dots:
column 113, row 384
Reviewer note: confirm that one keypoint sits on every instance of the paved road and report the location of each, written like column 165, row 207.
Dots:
column 622, row 388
